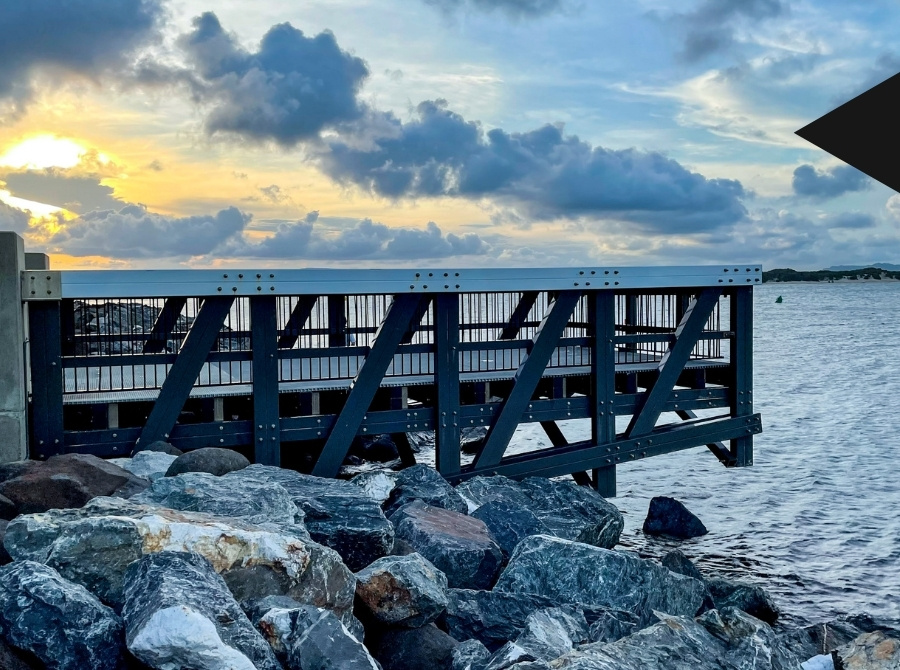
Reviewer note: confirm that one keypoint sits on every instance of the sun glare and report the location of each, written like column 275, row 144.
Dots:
column 43, row 151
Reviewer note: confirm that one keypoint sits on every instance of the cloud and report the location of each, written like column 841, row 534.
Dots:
column 851, row 220
column 548, row 174
column 12, row 218
column 55, row 187
column 274, row 194
column 135, row 232
column 828, row 184
column 291, row 89
column 89, row 37
column 515, row 8
column 364, row 240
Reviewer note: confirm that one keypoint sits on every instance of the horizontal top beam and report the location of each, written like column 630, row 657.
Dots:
column 55, row 285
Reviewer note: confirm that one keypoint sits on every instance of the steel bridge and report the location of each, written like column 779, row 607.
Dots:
column 292, row 365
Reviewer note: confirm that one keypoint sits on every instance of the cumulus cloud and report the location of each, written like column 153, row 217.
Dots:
column 288, row 91
column 831, row 183
column 135, row 232
column 547, row 173
column 13, row 218
column 851, row 220
column 710, row 28
column 85, row 36
column 79, row 194
column 515, row 8
column 364, row 240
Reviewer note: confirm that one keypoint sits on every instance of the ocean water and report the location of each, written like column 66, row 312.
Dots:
column 816, row 519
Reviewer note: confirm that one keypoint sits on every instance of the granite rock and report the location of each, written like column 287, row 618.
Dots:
column 179, row 613
column 424, row 648
column 56, row 621
column 509, row 524
column 421, row 482
column 748, row 643
column 212, row 460
column 748, row 597
column 4, row 555
column 317, row 640
column 458, row 545
column 574, row 573
column 377, row 484
column 469, row 655
column 551, row 632
column 871, row 651
column 8, row 509
column 402, row 590
column 150, row 465
column 160, row 447
column 671, row 518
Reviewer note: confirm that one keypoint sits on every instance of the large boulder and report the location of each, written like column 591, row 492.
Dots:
column 549, row 633
column 13, row 659
column 56, row 621
column 569, row 511
column 421, row 482
column 671, row 518
column 337, row 513
column 180, row 614
column 509, row 524
column 315, row 639
column 871, row 651
column 458, row 545
column 747, row 641
column 402, row 590
column 424, row 648
column 68, row 480
column 469, row 655
column 573, row 572
column 213, row 460
column 229, row 495
column 160, row 447
column 94, row 545
column 149, row 465
column 8, row 509
column 823, row 638
column 750, row 598
column 4, row 555
column 377, row 484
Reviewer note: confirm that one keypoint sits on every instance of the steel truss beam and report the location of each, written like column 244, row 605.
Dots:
column 366, row 383
column 519, row 315
column 298, row 318
column 177, row 387
column 162, row 327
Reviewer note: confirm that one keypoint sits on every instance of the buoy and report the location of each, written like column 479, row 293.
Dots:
column 779, row 300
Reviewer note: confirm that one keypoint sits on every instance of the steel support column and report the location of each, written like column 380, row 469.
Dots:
column 266, row 419
column 337, row 320
column 742, row 369
column 177, row 386
column 446, row 379
column 46, row 378
column 366, row 383
column 602, row 322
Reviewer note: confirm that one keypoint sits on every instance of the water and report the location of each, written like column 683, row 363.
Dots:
column 816, row 520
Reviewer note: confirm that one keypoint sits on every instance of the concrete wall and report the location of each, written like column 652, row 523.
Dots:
column 13, row 424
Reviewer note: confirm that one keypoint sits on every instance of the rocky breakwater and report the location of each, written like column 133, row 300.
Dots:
column 202, row 561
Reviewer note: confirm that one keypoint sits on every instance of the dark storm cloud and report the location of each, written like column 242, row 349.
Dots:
column 364, row 240
column 710, row 27
column 134, row 232
column 517, row 8
column 851, row 220
column 547, row 173
column 55, row 187
column 85, row 36
column 829, row 184
column 288, row 91
column 12, row 218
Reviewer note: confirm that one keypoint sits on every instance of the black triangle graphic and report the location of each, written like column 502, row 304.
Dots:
column 864, row 132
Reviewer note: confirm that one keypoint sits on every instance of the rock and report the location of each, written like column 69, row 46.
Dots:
column 509, row 524
column 377, row 484
column 425, row 648
column 679, row 563
column 256, row 608
column 319, row 641
column 421, row 482
column 94, row 545
column 747, row 597
column 469, row 655
column 821, row 662
column 402, row 590
column 748, row 642
column 4, row 555
column 823, row 638
column 12, row 659
column 612, row 626
column 16, row 469
column 69, row 480
column 549, row 633
column 569, row 511
column 871, row 651
column 159, row 447
column 8, row 509
column 56, row 621
column 337, row 513
column 508, row 656
column 180, row 614
column 375, row 448
column 669, row 517
column 229, row 495
column 458, row 545
column 213, row 460
column 572, row 572
column 150, row 465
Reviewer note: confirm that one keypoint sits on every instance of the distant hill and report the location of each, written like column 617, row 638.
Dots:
column 883, row 266
column 872, row 272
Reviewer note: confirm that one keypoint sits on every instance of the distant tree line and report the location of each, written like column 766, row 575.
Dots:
column 787, row 274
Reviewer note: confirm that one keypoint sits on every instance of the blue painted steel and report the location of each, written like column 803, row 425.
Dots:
column 162, row 327
column 46, row 379
column 337, row 320
column 421, row 311
column 602, row 321
column 519, row 315
column 527, row 376
column 446, row 379
column 177, row 386
column 717, row 448
column 742, row 369
column 266, row 416
column 298, row 318
column 366, row 383
column 672, row 363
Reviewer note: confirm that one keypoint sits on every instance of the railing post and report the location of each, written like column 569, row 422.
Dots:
column 602, row 320
column 741, row 309
column 446, row 377
column 266, row 364
column 13, row 379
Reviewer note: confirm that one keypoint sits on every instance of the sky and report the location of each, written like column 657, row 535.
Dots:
column 439, row 133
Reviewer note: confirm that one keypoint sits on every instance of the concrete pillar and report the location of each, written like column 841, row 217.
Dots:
column 13, row 412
